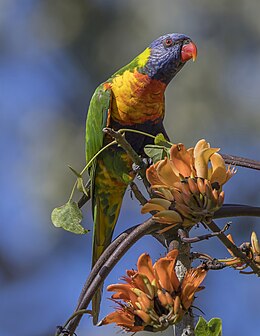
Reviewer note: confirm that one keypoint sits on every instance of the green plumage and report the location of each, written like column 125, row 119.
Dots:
column 107, row 183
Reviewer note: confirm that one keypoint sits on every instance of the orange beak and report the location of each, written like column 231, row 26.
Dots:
column 188, row 51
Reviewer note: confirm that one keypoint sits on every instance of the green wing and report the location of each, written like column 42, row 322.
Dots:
column 97, row 120
column 107, row 183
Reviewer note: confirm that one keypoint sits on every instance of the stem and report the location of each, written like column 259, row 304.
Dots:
column 122, row 130
column 101, row 261
column 241, row 161
column 120, row 139
column 232, row 247
column 72, row 191
column 96, row 155
column 138, row 195
column 185, row 239
column 88, row 165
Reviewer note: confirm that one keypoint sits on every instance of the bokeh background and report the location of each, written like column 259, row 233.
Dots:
column 53, row 53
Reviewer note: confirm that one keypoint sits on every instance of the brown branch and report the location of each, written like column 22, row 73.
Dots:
column 138, row 195
column 138, row 232
column 237, row 210
column 84, row 199
column 241, row 161
column 101, row 261
column 189, row 240
column 232, row 247
column 121, row 140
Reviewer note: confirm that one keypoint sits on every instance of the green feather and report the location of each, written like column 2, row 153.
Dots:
column 107, row 175
column 96, row 120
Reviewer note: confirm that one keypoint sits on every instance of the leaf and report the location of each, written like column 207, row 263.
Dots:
column 156, row 152
column 201, row 328
column 211, row 328
column 161, row 141
column 68, row 217
column 215, row 326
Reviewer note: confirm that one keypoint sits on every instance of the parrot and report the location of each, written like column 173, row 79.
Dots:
column 132, row 98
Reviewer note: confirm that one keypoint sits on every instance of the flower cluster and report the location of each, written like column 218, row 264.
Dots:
column 188, row 185
column 251, row 250
column 152, row 297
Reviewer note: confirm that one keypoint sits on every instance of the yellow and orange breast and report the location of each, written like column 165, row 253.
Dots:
column 136, row 98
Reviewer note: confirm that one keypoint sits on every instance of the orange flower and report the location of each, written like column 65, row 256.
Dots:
column 252, row 251
column 153, row 298
column 188, row 185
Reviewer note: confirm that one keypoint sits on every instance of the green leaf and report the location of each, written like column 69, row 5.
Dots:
column 161, row 141
column 215, row 326
column 201, row 328
column 68, row 217
column 156, row 152
column 211, row 328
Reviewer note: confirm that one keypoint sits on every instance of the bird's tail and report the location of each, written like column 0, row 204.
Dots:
column 109, row 190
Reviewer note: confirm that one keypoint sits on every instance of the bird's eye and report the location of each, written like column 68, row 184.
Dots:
column 168, row 42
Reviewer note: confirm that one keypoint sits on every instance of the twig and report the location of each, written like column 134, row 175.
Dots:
column 241, row 161
column 199, row 255
column 214, row 265
column 209, row 262
column 101, row 261
column 84, row 199
column 138, row 195
column 232, row 247
column 183, row 235
column 121, row 140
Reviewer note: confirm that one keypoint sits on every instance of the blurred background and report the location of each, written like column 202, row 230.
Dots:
column 52, row 56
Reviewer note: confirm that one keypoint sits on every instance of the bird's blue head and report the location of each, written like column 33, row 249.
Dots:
column 168, row 54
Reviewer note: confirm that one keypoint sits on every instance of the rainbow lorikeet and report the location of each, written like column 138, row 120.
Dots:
column 131, row 98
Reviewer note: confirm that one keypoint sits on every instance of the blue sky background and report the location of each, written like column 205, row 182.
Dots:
column 52, row 56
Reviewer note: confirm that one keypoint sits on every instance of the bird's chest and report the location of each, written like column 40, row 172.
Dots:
column 136, row 99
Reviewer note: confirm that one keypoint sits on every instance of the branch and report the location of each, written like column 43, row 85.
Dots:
column 135, row 234
column 121, row 140
column 232, row 247
column 241, row 161
column 101, row 261
column 138, row 195
column 188, row 240
column 237, row 210
column 84, row 199
column 125, row 240
column 229, row 159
